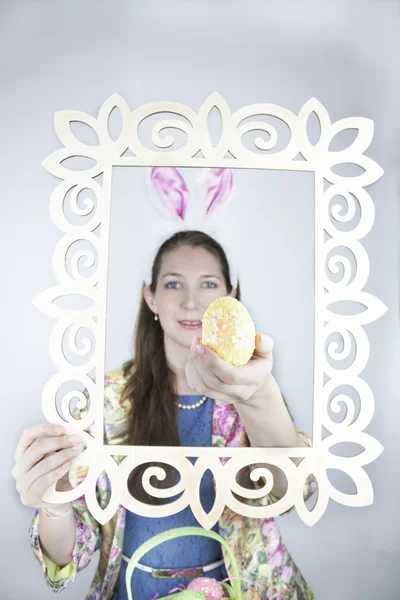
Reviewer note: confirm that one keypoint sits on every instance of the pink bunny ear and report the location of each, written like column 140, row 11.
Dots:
column 219, row 184
column 171, row 188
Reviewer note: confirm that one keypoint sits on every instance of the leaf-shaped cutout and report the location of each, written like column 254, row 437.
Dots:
column 346, row 449
column 375, row 308
column 372, row 171
column 346, row 308
column 214, row 126
column 62, row 125
column 364, row 495
column 104, row 487
column 311, row 499
column 343, row 139
column 307, row 149
column 206, row 519
column 74, row 302
column 112, row 104
column 78, row 163
column 371, row 450
column 45, row 302
column 313, row 514
column 313, row 128
column 214, row 101
column 115, row 124
column 347, row 169
column 341, row 481
column 84, row 133
column 103, row 505
column 365, row 132
column 53, row 164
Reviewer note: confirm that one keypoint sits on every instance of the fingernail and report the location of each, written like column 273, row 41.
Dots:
column 58, row 429
column 74, row 438
column 201, row 350
column 77, row 448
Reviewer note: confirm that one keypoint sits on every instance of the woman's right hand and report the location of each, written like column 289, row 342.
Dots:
column 43, row 458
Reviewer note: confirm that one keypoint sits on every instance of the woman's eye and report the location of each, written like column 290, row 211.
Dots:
column 210, row 284
column 173, row 285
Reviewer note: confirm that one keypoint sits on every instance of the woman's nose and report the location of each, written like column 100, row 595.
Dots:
column 190, row 300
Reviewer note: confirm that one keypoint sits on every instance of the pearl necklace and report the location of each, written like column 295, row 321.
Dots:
column 192, row 406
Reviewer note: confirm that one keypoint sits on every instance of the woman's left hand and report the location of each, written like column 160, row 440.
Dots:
column 212, row 376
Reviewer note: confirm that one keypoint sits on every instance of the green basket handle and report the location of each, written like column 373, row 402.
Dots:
column 171, row 535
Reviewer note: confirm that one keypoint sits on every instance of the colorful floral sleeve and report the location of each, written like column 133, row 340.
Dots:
column 88, row 537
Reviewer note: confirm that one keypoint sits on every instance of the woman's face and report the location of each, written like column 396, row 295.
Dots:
column 189, row 280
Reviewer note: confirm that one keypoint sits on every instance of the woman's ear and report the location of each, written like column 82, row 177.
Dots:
column 149, row 299
column 233, row 292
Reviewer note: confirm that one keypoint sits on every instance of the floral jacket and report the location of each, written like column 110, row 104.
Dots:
column 260, row 554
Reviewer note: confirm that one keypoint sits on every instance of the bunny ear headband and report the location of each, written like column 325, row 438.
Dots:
column 198, row 206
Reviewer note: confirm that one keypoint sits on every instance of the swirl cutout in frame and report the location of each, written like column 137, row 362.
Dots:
column 354, row 272
column 360, row 344
column 354, row 420
column 65, row 253
column 69, row 194
column 69, row 416
column 140, row 116
column 64, row 338
column 339, row 214
column 146, row 455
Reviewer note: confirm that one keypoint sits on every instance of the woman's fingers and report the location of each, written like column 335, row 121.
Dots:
column 221, row 390
column 43, row 457
column 33, row 496
column 42, row 447
column 49, row 464
column 264, row 346
column 224, row 371
column 210, row 379
column 192, row 376
column 34, row 432
column 205, row 383
column 250, row 374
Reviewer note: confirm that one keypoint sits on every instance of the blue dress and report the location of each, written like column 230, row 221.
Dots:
column 195, row 428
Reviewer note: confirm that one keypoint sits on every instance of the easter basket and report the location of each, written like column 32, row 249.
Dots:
column 232, row 592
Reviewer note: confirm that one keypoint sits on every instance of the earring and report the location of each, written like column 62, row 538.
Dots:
column 156, row 317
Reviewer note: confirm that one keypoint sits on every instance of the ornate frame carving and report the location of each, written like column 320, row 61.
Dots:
column 298, row 155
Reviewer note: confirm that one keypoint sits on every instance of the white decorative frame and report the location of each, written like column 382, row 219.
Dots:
column 298, row 155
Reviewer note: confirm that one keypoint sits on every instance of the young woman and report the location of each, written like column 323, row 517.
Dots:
column 144, row 403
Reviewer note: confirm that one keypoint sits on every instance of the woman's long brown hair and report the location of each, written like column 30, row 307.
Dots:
column 150, row 386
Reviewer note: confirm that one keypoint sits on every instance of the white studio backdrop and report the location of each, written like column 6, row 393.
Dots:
column 75, row 56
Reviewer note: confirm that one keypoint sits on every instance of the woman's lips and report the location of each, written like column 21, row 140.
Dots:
column 190, row 325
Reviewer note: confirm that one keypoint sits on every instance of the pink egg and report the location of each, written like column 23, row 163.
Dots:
column 207, row 586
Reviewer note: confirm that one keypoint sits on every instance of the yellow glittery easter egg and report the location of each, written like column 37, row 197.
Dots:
column 228, row 330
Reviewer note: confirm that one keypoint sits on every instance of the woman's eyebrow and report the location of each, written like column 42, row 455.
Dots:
column 213, row 276
column 172, row 274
